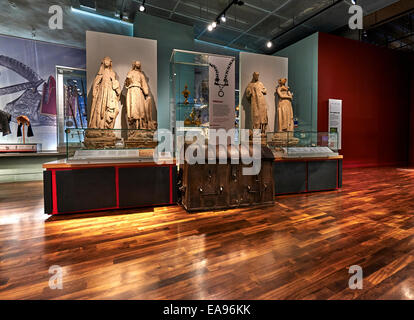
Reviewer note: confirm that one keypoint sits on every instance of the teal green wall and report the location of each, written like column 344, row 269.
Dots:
column 303, row 80
column 169, row 35
column 23, row 168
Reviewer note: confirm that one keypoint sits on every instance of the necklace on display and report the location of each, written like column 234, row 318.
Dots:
column 225, row 80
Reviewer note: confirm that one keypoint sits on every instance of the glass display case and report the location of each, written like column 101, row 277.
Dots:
column 111, row 145
column 303, row 144
column 71, row 101
column 189, row 88
column 189, row 93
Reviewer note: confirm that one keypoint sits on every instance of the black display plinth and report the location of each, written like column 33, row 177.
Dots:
column 75, row 188
column 307, row 175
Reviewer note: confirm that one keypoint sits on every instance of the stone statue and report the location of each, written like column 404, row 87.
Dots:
column 105, row 101
column 139, row 110
column 284, row 135
column 284, row 108
column 138, row 101
column 106, row 93
column 255, row 93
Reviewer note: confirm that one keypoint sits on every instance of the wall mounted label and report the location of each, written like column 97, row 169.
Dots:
column 335, row 123
column 222, row 113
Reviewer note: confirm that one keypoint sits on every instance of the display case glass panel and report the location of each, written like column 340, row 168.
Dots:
column 302, row 144
column 71, row 102
column 113, row 145
column 189, row 93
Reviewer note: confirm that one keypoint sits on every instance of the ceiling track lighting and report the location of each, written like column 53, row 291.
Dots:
column 269, row 44
column 142, row 6
column 222, row 16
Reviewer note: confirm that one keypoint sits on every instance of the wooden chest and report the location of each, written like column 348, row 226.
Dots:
column 222, row 186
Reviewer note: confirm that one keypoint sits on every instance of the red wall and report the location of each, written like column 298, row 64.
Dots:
column 374, row 85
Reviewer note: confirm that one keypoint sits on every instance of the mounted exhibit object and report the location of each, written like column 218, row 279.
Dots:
column 105, row 107
column 202, row 94
column 123, row 51
column 285, row 125
column 22, row 122
column 131, row 92
column 255, row 93
column 223, row 186
column 270, row 69
column 139, row 109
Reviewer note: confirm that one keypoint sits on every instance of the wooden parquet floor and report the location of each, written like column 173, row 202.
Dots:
column 300, row 248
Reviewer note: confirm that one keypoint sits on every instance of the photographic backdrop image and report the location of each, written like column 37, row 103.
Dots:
column 28, row 85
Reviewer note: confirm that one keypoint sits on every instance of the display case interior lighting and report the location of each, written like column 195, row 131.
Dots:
column 88, row 4
column 87, row 8
column 99, row 16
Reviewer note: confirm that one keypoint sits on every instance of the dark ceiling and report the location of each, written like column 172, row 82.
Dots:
column 250, row 26
column 397, row 34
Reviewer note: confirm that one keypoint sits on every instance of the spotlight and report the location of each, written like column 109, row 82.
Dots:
column 210, row 28
column 223, row 18
column 353, row 1
column 269, row 44
column 214, row 25
column 142, row 6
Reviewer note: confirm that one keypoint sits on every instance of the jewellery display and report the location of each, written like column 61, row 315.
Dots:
column 186, row 94
column 193, row 119
column 217, row 78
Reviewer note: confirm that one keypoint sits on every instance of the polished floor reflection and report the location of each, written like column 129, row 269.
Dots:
column 298, row 249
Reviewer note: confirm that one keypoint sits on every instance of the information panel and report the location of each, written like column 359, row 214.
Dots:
column 335, row 119
column 222, row 114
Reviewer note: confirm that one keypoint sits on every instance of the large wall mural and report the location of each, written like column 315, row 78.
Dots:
column 28, row 84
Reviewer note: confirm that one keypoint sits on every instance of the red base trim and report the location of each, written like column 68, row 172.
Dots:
column 54, row 193
column 171, row 185
column 117, row 185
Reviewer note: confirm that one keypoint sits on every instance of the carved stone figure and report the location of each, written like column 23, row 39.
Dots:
column 139, row 109
column 105, row 107
column 284, row 108
column 138, row 101
column 105, row 101
column 255, row 93
column 284, row 137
